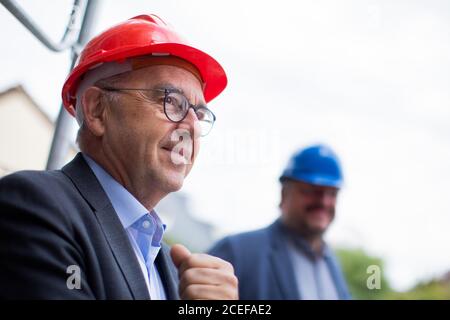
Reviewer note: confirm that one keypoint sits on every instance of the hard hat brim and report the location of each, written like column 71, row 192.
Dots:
column 322, row 181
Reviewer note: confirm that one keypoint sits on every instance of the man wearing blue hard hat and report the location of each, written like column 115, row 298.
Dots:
column 289, row 259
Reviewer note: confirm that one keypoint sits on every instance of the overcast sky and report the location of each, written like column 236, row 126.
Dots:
column 369, row 78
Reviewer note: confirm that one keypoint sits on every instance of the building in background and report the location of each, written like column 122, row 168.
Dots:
column 25, row 133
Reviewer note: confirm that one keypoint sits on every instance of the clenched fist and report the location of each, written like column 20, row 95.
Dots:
column 203, row 276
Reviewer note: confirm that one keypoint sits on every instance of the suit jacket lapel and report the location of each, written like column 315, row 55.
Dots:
column 337, row 275
column 281, row 263
column 89, row 187
column 168, row 273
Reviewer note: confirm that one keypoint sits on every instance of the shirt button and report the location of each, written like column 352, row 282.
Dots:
column 146, row 224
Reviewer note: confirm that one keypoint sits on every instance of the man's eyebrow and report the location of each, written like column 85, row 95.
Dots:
column 172, row 88
column 169, row 87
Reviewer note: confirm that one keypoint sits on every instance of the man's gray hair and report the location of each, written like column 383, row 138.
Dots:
column 106, row 74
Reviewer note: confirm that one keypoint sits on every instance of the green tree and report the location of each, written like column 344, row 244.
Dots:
column 430, row 290
column 355, row 264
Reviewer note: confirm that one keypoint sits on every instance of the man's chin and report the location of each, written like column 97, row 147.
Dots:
column 319, row 223
column 177, row 186
column 317, row 229
column 174, row 181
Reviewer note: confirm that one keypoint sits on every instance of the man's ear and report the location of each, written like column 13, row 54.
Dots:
column 94, row 111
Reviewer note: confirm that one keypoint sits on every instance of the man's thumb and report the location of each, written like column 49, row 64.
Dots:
column 179, row 253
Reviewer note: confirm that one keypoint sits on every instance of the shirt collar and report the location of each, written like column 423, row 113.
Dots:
column 128, row 208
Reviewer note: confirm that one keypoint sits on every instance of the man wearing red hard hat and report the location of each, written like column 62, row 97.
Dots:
column 90, row 231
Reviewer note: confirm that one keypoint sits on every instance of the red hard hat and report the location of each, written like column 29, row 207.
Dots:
column 142, row 35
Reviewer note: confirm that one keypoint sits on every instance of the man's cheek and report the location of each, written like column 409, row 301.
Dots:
column 196, row 149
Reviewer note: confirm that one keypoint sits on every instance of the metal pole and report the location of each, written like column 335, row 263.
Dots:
column 62, row 137
column 70, row 35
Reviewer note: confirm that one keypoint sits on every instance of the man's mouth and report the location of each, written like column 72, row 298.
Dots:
column 180, row 151
column 178, row 154
column 319, row 213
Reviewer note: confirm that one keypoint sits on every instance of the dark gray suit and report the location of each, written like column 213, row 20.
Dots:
column 50, row 220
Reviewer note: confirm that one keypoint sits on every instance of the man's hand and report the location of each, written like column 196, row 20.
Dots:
column 203, row 276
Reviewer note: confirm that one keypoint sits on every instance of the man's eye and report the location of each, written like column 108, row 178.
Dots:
column 201, row 114
column 172, row 99
column 173, row 104
column 169, row 100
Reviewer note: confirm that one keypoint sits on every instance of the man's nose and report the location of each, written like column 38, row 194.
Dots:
column 326, row 199
column 191, row 123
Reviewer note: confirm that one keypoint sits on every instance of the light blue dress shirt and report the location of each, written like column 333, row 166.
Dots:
column 145, row 229
column 312, row 273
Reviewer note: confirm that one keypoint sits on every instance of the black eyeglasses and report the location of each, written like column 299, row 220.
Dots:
column 176, row 107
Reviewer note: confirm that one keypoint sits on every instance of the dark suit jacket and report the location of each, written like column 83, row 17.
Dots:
column 50, row 220
column 262, row 264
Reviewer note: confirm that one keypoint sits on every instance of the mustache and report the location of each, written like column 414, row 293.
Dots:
column 320, row 207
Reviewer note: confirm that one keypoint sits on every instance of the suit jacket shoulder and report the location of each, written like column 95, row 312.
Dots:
column 261, row 263
column 37, row 242
column 239, row 248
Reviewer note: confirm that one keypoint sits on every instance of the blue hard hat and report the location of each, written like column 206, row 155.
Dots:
column 317, row 164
